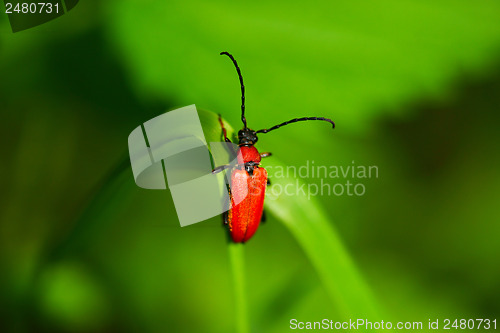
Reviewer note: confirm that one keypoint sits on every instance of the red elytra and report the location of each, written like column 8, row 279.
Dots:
column 244, row 218
column 248, row 178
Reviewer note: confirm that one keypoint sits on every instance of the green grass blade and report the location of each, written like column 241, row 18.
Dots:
column 308, row 223
column 237, row 263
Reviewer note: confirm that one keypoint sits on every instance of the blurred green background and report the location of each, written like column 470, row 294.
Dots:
column 413, row 86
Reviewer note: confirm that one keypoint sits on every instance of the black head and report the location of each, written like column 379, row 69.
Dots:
column 247, row 137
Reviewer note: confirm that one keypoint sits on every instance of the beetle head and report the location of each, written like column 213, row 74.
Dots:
column 247, row 137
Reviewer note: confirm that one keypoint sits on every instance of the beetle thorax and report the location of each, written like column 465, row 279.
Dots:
column 248, row 154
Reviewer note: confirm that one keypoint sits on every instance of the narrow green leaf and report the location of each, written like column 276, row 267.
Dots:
column 237, row 263
column 309, row 224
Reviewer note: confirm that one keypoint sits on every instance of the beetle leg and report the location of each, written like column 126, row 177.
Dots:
column 225, row 218
column 220, row 168
column 224, row 133
column 268, row 181
column 263, row 217
column 223, row 129
column 266, row 154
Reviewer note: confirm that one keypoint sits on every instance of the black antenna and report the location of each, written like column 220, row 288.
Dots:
column 294, row 121
column 243, row 119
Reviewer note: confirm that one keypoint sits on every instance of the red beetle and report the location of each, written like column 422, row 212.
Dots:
column 248, row 178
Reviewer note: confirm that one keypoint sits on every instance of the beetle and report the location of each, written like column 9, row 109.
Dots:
column 248, row 179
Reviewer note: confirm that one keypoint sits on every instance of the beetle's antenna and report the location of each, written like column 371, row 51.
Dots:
column 294, row 121
column 243, row 119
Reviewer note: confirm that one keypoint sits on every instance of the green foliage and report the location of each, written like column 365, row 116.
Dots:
column 412, row 85
column 347, row 60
